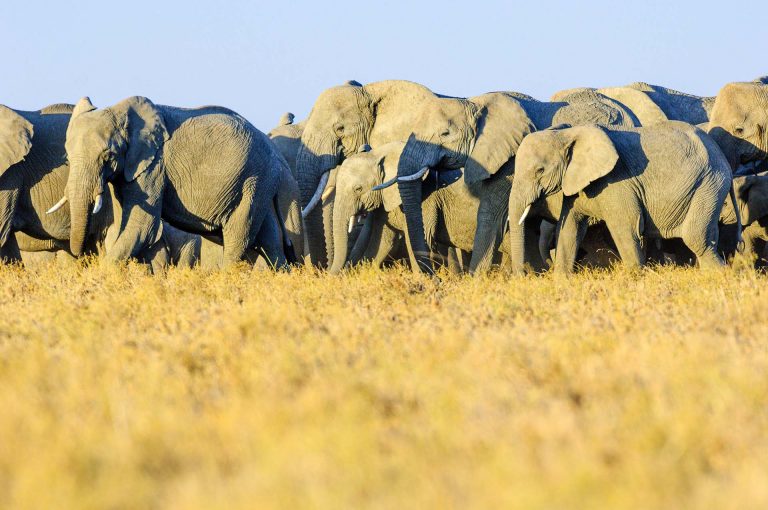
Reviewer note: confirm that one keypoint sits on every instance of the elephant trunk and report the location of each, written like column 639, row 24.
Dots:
column 414, row 158
column 519, row 206
column 342, row 211
column 313, row 159
column 82, row 193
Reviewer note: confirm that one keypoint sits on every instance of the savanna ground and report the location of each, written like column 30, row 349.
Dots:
column 248, row 389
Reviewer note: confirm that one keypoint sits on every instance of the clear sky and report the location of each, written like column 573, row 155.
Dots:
column 264, row 58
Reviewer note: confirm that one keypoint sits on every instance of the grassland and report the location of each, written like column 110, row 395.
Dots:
column 247, row 389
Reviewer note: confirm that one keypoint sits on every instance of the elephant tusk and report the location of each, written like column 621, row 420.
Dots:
column 98, row 204
column 58, row 206
column 327, row 193
column 415, row 177
column 384, row 185
column 318, row 193
column 525, row 213
column 351, row 224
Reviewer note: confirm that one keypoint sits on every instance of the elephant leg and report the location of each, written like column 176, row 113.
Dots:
column 241, row 229
column 491, row 217
column 140, row 226
column 270, row 242
column 158, row 257
column 385, row 245
column 546, row 241
column 700, row 230
column 455, row 263
column 9, row 252
column 573, row 228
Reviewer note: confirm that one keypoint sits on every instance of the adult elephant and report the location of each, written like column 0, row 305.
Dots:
column 652, row 103
column 482, row 135
column 739, row 123
column 205, row 170
column 33, row 173
column 657, row 182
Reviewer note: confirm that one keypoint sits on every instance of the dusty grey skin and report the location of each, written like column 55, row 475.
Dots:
column 643, row 182
column 33, row 176
column 342, row 119
column 482, row 134
column 653, row 103
column 287, row 138
column 449, row 207
column 752, row 200
column 205, row 171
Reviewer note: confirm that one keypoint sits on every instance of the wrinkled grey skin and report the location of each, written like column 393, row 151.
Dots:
column 206, row 171
column 449, row 208
column 752, row 200
column 482, row 134
column 652, row 103
column 342, row 119
column 33, row 173
column 642, row 182
column 33, row 176
column 287, row 138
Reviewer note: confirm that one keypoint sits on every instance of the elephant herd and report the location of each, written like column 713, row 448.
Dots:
column 391, row 170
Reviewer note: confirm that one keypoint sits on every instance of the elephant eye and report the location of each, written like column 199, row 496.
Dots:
column 358, row 189
column 738, row 130
column 339, row 129
column 445, row 133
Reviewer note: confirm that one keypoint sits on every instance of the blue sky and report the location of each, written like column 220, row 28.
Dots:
column 265, row 58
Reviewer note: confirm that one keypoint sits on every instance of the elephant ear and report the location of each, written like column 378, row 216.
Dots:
column 146, row 136
column 82, row 106
column 590, row 155
column 388, row 167
column 16, row 141
column 502, row 123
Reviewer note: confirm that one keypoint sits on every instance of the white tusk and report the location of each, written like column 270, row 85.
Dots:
column 327, row 192
column 384, row 185
column 525, row 213
column 58, row 206
column 351, row 224
column 414, row 177
column 98, row 204
column 316, row 197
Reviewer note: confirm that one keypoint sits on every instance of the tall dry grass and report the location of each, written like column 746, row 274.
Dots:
column 248, row 389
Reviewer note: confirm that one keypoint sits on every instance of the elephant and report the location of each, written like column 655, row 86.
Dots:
column 668, row 180
column 482, row 134
column 653, row 103
column 206, row 171
column 449, row 207
column 343, row 119
column 287, row 137
column 752, row 199
column 739, row 123
column 33, row 173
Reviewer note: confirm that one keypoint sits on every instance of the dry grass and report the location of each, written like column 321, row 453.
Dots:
column 243, row 389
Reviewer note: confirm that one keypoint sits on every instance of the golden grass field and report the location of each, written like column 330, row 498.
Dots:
column 245, row 389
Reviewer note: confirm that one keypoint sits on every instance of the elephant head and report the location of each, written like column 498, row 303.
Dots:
column 124, row 140
column 551, row 161
column 356, row 179
column 480, row 134
column 739, row 122
column 339, row 123
column 15, row 143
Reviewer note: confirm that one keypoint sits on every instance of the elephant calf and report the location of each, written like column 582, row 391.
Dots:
column 752, row 200
column 663, row 181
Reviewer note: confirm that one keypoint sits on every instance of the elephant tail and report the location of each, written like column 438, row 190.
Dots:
column 290, row 253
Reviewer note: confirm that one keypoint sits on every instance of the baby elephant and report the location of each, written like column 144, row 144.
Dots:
column 449, row 208
column 752, row 198
column 663, row 181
